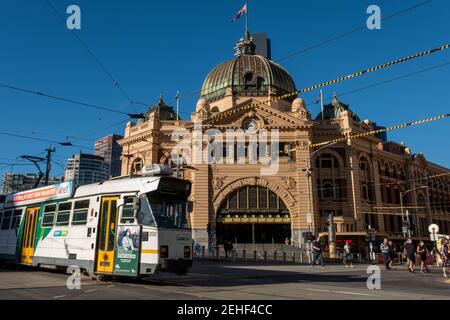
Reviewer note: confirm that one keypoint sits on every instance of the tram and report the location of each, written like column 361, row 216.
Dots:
column 129, row 226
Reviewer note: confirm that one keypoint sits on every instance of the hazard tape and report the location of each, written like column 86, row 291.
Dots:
column 371, row 133
column 327, row 83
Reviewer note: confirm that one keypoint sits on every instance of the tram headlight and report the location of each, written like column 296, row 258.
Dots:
column 164, row 252
column 187, row 252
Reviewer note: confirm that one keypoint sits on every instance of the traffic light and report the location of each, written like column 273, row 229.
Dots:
column 371, row 235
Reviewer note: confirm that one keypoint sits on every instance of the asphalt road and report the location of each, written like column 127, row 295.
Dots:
column 225, row 280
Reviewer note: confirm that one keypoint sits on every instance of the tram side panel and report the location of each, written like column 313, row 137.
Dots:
column 11, row 236
column 73, row 244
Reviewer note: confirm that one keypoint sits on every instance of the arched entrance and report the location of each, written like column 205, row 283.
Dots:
column 253, row 214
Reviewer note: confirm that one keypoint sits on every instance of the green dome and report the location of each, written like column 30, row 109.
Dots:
column 334, row 110
column 247, row 74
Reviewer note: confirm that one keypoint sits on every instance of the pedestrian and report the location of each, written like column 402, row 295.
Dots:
column 317, row 253
column 411, row 254
column 423, row 252
column 445, row 256
column 348, row 256
column 385, row 250
column 230, row 248
column 226, row 247
column 392, row 254
column 286, row 241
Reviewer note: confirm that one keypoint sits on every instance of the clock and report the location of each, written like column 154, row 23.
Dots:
column 251, row 125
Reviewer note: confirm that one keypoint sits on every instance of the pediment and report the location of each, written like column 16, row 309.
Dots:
column 268, row 117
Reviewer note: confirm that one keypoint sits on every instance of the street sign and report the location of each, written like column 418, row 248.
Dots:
column 309, row 218
column 434, row 237
column 433, row 228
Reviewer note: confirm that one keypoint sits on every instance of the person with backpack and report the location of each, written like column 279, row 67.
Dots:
column 385, row 250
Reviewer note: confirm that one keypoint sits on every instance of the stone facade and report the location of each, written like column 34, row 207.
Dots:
column 358, row 181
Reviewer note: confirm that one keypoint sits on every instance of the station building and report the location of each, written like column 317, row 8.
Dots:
column 360, row 183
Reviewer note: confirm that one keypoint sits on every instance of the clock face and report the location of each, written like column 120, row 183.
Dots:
column 251, row 125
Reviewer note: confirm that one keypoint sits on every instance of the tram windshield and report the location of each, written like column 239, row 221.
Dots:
column 169, row 212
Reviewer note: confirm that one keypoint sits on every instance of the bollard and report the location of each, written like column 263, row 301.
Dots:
column 203, row 252
column 255, row 257
column 293, row 257
column 265, row 256
column 284, row 258
column 244, row 256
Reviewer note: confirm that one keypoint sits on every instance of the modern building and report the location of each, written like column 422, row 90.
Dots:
column 111, row 151
column 16, row 182
column 360, row 183
column 86, row 168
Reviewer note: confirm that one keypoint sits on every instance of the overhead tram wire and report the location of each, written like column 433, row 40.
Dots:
column 61, row 143
column 389, row 80
column 101, row 65
column 328, row 83
column 80, row 103
column 371, row 133
column 347, row 33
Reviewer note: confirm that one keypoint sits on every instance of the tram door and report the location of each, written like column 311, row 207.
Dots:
column 29, row 235
column 107, row 235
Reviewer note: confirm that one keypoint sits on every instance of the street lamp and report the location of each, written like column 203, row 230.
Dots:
column 402, row 194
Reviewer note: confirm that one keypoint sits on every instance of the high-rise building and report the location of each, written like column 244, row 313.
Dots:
column 86, row 168
column 16, row 182
column 110, row 150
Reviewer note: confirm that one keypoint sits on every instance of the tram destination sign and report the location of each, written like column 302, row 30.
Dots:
column 53, row 192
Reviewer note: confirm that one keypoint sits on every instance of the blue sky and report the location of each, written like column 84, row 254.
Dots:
column 164, row 46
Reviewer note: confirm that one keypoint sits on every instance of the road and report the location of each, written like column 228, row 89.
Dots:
column 224, row 280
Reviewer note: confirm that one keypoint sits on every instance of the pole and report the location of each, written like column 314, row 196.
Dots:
column 409, row 225
column 50, row 150
column 177, row 98
column 247, row 34
column 321, row 103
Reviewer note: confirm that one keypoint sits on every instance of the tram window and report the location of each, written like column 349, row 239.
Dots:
column 127, row 211
column 49, row 216
column 6, row 220
column 145, row 216
column 80, row 212
column 63, row 216
column 16, row 219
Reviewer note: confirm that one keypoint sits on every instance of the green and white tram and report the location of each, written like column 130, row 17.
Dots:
column 132, row 226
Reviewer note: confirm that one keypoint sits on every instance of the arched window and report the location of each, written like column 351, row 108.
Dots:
column 365, row 179
column 327, row 161
column 136, row 166
column 253, row 199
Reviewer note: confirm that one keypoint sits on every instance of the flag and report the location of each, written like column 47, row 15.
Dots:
column 240, row 13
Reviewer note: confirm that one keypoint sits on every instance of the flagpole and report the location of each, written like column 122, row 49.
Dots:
column 321, row 103
column 247, row 35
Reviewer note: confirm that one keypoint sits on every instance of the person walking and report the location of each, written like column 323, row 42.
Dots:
column 385, row 250
column 444, row 252
column 317, row 253
column 348, row 256
column 423, row 253
column 392, row 254
column 411, row 254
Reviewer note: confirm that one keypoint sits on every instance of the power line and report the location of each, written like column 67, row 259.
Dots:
column 101, row 65
column 390, row 80
column 347, row 33
column 64, row 144
column 77, row 102
column 328, row 83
